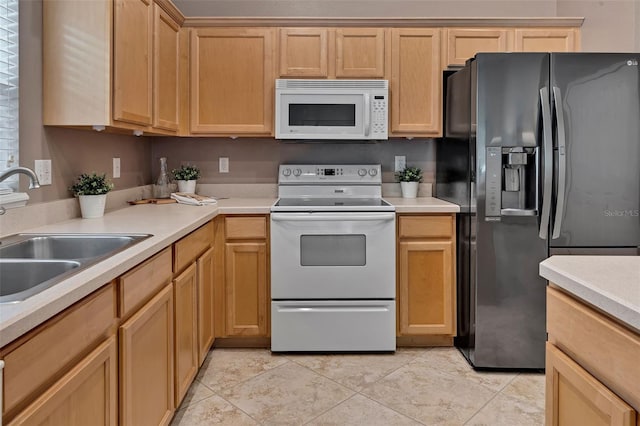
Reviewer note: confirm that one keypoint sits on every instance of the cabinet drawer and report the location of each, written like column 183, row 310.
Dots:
column 245, row 227
column 190, row 247
column 607, row 350
column 44, row 355
column 145, row 280
column 432, row 226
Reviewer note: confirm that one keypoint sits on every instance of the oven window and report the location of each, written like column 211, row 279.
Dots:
column 342, row 115
column 333, row 250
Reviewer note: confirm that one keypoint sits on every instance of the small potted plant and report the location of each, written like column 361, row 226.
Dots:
column 91, row 190
column 186, row 176
column 409, row 179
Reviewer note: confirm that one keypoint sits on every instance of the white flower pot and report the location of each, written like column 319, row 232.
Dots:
column 187, row 186
column 409, row 189
column 92, row 206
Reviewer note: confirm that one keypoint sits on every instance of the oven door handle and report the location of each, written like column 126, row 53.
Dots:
column 319, row 217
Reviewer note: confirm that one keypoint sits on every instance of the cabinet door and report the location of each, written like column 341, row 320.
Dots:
column 186, row 330
column 463, row 44
column 84, row 396
column 166, row 34
column 132, row 65
column 547, row 40
column 426, row 287
column 303, row 52
column 246, row 288
column 360, row 52
column 416, row 82
column 206, row 265
column 574, row 397
column 146, row 363
column 232, row 81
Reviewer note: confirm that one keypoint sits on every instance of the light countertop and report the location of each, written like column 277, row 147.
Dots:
column 167, row 223
column 610, row 283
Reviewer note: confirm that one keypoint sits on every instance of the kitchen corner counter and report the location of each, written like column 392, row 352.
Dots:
column 609, row 283
column 422, row 205
column 245, row 205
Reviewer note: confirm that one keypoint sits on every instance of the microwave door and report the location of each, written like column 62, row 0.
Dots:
column 323, row 116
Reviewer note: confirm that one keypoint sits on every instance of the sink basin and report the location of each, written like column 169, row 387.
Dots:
column 30, row 263
column 65, row 246
column 23, row 278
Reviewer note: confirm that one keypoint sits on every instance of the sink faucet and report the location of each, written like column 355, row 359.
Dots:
column 23, row 170
column 33, row 179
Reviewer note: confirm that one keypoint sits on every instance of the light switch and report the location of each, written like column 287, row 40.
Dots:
column 116, row 167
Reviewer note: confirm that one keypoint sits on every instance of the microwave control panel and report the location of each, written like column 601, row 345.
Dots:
column 379, row 116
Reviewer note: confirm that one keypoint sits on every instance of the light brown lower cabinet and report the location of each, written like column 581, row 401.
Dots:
column 146, row 363
column 575, row 397
column 86, row 395
column 426, row 275
column 206, row 269
column 592, row 366
column 246, row 285
column 186, row 330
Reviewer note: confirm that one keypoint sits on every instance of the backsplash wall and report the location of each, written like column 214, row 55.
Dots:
column 257, row 160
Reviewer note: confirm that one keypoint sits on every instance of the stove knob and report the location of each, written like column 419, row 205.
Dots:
column 297, row 172
column 362, row 172
column 373, row 172
column 286, row 172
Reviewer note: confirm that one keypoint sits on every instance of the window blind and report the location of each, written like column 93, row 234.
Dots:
column 9, row 88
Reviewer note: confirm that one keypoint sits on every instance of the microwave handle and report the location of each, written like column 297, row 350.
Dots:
column 367, row 114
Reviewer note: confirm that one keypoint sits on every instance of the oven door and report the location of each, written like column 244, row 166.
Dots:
column 322, row 116
column 333, row 255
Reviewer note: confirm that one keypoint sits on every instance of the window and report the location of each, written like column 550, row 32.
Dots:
column 9, row 88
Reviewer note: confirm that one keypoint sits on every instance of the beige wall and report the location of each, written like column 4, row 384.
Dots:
column 71, row 151
column 256, row 160
column 609, row 25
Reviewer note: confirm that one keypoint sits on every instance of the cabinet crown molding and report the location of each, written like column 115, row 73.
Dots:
column 239, row 21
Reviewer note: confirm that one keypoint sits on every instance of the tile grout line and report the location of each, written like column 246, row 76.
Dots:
column 489, row 400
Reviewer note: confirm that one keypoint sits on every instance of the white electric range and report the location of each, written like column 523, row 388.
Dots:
column 332, row 260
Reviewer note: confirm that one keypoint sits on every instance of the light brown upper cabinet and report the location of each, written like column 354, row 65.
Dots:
column 99, row 60
column 232, row 81
column 464, row 43
column 303, row 52
column 360, row 52
column 165, row 71
column 416, row 82
column 132, row 65
column 547, row 40
column 333, row 52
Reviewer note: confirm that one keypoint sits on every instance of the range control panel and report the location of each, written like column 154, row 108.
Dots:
column 330, row 174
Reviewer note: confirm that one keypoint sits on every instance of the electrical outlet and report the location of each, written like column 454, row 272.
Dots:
column 43, row 171
column 223, row 164
column 116, row 167
column 401, row 163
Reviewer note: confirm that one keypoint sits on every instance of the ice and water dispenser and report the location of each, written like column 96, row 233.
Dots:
column 512, row 182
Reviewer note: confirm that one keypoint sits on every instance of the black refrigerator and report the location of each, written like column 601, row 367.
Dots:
column 542, row 153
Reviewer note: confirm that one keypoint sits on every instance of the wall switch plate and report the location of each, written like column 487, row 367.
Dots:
column 43, row 171
column 116, row 167
column 401, row 163
column 223, row 164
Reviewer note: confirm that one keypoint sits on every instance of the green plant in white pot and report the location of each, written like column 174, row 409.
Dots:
column 186, row 177
column 409, row 179
column 91, row 190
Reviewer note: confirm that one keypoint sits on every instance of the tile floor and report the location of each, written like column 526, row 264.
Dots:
column 432, row 386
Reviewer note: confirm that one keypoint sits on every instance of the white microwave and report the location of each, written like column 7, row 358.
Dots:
column 332, row 109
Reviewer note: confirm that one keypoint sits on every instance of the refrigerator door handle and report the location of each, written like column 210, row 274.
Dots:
column 562, row 163
column 547, row 163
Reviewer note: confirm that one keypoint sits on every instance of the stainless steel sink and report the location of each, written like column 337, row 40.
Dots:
column 30, row 263
column 21, row 278
column 65, row 246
